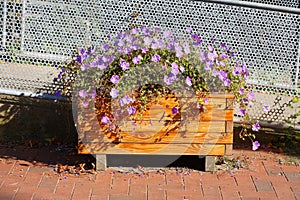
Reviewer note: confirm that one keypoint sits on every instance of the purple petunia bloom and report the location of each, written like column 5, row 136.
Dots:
column 179, row 54
column 146, row 30
column 105, row 120
column 208, row 65
column 114, row 79
column 81, row 51
column 222, row 75
column 251, row 96
column 126, row 100
column 212, row 55
column 124, row 65
column 114, row 93
column 169, row 79
column 186, row 48
column 136, row 60
column 245, row 100
column 131, row 110
column 189, row 30
column 167, row 34
column 237, row 70
column 105, row 47
column 174, row 110
column 255, row 145
column 155, row 58
column 214, row 73
column 203, row 56
column 188, row 81
column 210, row 48
column 93, row 94
column 242, row 91
column 144, row 49
column 135, row 31
column 206, row 101
column 227, row 82
column 256, row 127
column 84, row 67
column 222, row 44
column 84, row 104
column 197, row 39
column 82, row 93
column 242, row 111
column 175, row 69
column 266, row 108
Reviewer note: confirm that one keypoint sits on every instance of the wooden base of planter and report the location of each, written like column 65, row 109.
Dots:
column 161, row 133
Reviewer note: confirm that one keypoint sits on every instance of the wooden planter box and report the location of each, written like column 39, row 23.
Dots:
column 159, row 132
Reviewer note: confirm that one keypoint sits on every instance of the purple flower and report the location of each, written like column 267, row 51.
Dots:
column 167, row 34
column 169, row 79
column 84, row 67
column 82, row 93
column 213, row 39
column 210, row 48
column 114, row 79
column 120, row 43
column 242, row 111
column 81, row 51
column 145, row 30
column 223, row 56
column 179, row 54
column 223, row 75
column 208, row 65
column 186, row 48
column 93, row 94
column 175, row 69
column 189, row 30
column 188, row 81
column 206, row 101
column 197, row 39
column 255, row 145
column 237, row 70
column 203, row 55
column 84, row 104
column 245, row 100
column 155, row 58
column 227, row 82
column 136, row 60
column 251, row 96
column 135, row 31
column 105, row 120
column 245, row 71
column 126, row 100
column 131, row 110
column 107, row 59
column 214, row 73
column 222, row 44
column 114, row 93
column 144, row 49
column 255, row 127
column 174, row 110
column 266, row 108
column 212, row 55
column 105, row 47
column 242, row 91
column 148, row 41
column 125, row 65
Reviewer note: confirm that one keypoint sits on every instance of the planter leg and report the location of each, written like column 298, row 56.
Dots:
column 100, row 162
column 210, row 163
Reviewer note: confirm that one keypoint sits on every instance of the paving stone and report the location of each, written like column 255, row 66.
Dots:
column 292, row 176
column 263, row 186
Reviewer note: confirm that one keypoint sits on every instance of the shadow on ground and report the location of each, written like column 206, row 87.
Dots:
column 43, row 132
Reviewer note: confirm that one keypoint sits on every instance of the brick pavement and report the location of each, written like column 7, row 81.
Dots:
column 266, row 178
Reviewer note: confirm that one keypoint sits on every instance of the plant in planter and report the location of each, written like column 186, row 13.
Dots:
column 145, row 75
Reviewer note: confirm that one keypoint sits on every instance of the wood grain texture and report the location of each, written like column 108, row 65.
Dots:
column 159, row 131
column 153, row 149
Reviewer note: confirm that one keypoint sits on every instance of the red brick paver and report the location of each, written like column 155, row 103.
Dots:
column 265, row 179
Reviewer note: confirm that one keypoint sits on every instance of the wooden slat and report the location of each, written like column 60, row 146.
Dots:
column 152, row 149
column 198, row 138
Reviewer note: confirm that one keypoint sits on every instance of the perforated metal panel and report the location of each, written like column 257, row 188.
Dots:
column 44, row 33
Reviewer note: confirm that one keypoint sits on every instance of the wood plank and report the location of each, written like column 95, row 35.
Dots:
column 197, row 138
column 153, row 149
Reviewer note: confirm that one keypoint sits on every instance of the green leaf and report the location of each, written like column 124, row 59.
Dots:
column 295, row 100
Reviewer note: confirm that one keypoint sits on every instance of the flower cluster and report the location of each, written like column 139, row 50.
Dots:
column 206, row 69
